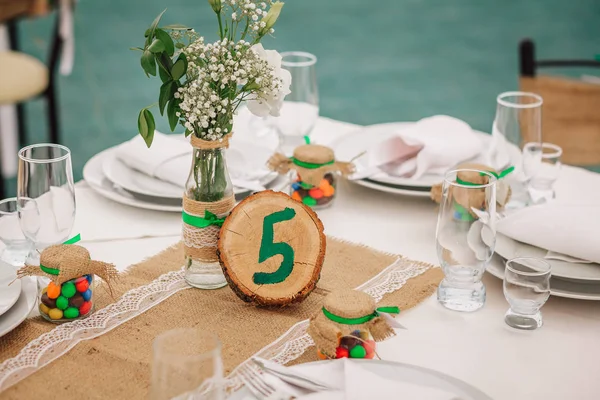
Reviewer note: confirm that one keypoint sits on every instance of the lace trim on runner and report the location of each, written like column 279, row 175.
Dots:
column 51, row 345
column 291, row 345
column 296, row 340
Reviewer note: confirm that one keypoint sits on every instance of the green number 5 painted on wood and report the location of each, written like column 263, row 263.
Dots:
column 268, row 249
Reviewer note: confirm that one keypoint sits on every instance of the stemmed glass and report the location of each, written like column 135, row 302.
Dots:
column 518, row 121
column 300, row 109
column 526, row 288
column 465, row 237
column 186, row 364
column 16, row 245
column 45, row 194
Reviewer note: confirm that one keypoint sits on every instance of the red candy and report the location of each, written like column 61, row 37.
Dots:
column 82, row 284
column 85, row 308
column 315, row 193
column 341, row 352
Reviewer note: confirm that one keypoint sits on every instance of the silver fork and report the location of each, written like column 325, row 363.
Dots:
column 259, row 387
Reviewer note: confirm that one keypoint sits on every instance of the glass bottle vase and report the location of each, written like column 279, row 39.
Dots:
column 208, row 190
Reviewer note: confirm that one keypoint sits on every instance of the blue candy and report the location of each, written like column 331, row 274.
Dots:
column 295, row 186
column 89, row 278
column 87, row 295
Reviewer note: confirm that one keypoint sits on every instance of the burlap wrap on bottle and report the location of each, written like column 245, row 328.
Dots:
column 346, row 304
column 311, row 162
column 201, row 243
column 70, row 261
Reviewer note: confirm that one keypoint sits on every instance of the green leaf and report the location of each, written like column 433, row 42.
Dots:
column 164, row 67
column 166, row 94
column 146, row 126
column 152, row 28
column 136, row 48
column 180, row 67
column 179, row 45
column 165, row 38
column 177, row 27
column 157, row 46
column 148, row 63
column 164, row 75
column 187, row 132
column 171, row 112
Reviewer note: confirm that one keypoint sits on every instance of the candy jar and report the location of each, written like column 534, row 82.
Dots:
column 349, row 325
column 314, row 173
column 69, row 294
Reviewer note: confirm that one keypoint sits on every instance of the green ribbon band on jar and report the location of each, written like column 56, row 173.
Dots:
column 310, row 165
column 360, row 320
column 500, row 175
column 54, row 271
column 199, row 222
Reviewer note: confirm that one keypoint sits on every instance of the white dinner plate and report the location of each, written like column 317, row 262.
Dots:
column 403, row 373
column 10, row 289
column 349, row 146
column 509, row 248
column 21, row 309
column 558, row 287
column 242, row 157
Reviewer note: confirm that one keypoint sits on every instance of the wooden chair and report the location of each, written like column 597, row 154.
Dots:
column 571, row 110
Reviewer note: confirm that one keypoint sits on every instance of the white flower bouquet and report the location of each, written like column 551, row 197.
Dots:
column 203, row 84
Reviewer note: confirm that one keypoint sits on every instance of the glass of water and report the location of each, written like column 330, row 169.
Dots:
column 518, row 121
column 45, row 194
column 465, row 238
column 526, row 288
column 541, row 162
column 300, row 109
column 187, row 364
column 16, row 245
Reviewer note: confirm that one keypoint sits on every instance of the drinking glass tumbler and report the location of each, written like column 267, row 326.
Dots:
column 526, row 288
column 45, row 194
column 186, row 363
column 16, row 246
column 465, row 238
column 518, row 121
column 541, row 162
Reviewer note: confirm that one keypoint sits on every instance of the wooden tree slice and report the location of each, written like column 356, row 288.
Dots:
column 271, row 249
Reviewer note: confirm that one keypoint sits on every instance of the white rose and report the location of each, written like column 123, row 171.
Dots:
column 270, row 103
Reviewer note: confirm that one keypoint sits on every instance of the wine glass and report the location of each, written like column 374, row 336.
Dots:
column 16, row 245
column 300, row 109
column 45, row 194
column 187, row 364
column 542, row 164
column 518, row 121
column 465, row 237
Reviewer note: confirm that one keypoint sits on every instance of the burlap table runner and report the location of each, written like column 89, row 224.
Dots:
column 117, row 364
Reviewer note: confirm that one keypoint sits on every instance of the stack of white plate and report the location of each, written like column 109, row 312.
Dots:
column 349, row 146
column 572, row 280
column 112, row 178
column 17, row 298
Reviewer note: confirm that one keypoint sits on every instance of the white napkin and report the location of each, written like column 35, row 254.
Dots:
column 100, row 219
column 168, row 158
column 564, row 228
column 444, row 141
column 353, row 381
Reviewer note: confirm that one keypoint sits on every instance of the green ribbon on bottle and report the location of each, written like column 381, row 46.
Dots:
column 199, row 222
column 500, row 175
column 360, row 320
column 310, row 165
column 54, row 271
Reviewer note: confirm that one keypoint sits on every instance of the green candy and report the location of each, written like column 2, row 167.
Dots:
column 309, row 201
column 71, row 313
column 357, row 351
column 306, row 185
column 68, row 289
column 62, row 303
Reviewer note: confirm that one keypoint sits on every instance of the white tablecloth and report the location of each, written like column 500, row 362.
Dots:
column 558, row 361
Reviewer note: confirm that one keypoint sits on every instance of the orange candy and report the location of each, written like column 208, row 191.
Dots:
column 296, row 197
column 315, row 193
column 324, row 184
column 328, row 191
column 53, row 290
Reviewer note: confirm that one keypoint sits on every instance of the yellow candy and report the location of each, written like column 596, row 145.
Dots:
column 44, row 290
column 55, row 313
column 44, row 308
